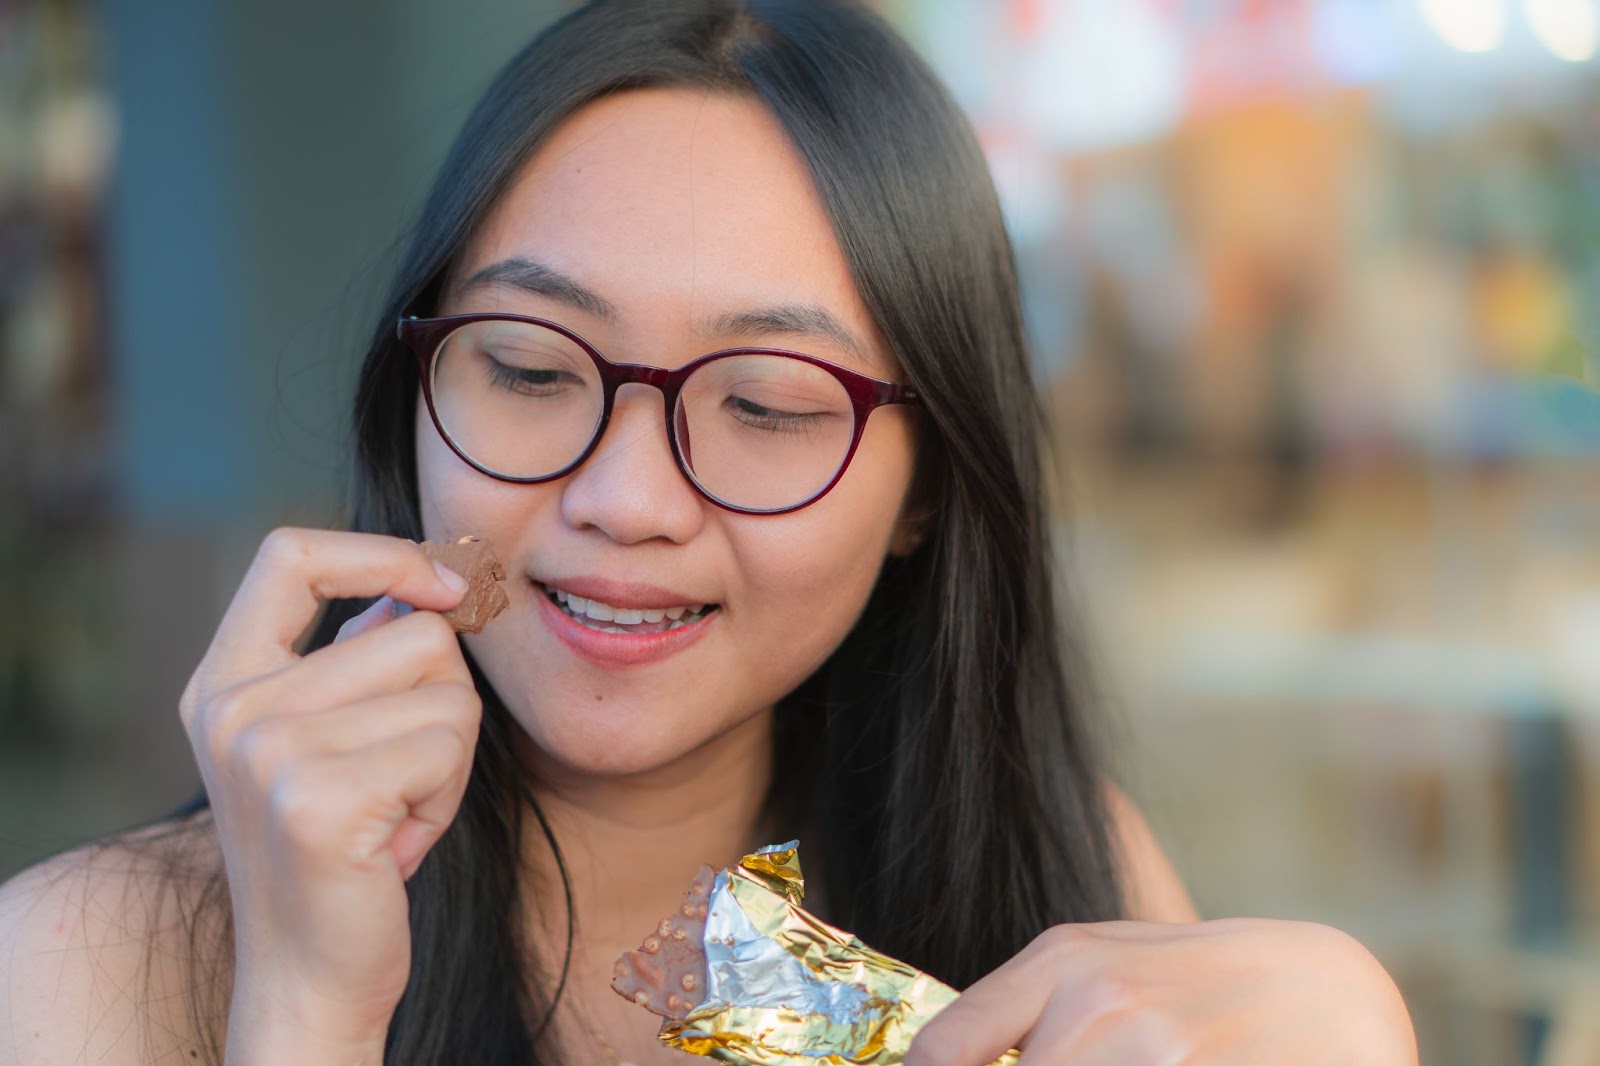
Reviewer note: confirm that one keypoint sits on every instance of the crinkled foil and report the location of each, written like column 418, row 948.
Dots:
column 785, row 989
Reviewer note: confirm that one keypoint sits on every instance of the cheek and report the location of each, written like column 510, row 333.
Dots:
column 437, row 484
column 814, row 569
column 455, row 499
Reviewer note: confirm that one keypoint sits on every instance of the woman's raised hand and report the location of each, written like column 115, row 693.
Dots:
column 330, row 776
column 1241, row 992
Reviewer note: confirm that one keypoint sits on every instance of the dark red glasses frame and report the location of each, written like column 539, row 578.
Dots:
column 425, row 336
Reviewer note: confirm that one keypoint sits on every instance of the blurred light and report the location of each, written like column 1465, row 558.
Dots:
column 1097, row 74
column 1032, row 196
column 1467, row 25
column 1358, row 40
column 1570, row 29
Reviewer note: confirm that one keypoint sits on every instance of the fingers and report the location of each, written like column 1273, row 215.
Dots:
column 999, row 1012
column 419, row 651
column 351, row 808
column 385, row 657
column 373, row 617
column 295, row 570
column 265, row 746
column 993, row 1015
column 386, row 609
column 1095, row 1022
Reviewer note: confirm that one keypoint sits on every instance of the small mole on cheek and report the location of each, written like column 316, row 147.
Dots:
column 598, row 697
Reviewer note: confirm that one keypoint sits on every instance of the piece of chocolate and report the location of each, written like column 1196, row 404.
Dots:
column 667, row 973
column 473, row 559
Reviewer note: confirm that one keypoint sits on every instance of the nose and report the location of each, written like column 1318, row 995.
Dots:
column 630, row 487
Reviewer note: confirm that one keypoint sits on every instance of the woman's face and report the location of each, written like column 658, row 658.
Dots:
column 660, row 225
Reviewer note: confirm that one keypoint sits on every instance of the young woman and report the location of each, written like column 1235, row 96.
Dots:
column 797, row 589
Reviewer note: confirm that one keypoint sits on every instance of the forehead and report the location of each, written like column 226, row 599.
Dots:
column 675, row 206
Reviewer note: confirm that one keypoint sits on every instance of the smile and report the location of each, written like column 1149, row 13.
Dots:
column 609, row 618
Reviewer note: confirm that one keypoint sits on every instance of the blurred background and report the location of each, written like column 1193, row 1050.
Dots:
column 1312, row 286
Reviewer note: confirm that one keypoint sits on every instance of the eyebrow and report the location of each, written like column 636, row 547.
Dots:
column 805, row 320
column 798, row 319
column 541, row 280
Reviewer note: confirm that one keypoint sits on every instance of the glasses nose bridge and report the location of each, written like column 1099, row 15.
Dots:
column 665, row 381
column 641, row 374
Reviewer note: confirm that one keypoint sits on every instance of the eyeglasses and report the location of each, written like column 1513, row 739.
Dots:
column 755, row 430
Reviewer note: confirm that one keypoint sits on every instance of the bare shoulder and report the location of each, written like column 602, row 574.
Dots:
column 1154, row 891
column 98, row 946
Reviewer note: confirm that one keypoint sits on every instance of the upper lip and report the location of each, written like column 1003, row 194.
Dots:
column 637, row 595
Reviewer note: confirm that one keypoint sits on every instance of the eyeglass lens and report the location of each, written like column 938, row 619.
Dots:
column 760, row 432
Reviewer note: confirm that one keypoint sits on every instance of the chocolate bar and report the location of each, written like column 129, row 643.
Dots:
column 743, row 974
column 667, row 973
column 474, row 560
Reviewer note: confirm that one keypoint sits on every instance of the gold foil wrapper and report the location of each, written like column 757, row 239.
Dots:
column 786, row 989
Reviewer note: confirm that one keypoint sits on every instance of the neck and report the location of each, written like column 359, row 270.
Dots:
column 632, row 844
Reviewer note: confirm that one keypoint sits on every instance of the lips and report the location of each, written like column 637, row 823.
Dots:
column 646, row 623
column 611, row 618
column 636, row 595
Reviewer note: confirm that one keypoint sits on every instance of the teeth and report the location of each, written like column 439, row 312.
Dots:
column 625, row 616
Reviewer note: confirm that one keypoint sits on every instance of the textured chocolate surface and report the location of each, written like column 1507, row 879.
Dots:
column 667, row 973
column 473, row 559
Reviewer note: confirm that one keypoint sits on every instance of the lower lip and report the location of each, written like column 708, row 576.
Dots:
column 619, row 649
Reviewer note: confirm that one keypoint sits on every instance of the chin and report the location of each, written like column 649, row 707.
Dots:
column 621, row 743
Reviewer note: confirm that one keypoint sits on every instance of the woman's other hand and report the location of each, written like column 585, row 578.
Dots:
column 1244, row 992
column 330, row 776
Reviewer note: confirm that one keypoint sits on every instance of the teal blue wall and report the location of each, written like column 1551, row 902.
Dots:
column 270, row 157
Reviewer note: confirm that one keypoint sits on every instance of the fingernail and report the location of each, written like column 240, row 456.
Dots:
column 453, row 580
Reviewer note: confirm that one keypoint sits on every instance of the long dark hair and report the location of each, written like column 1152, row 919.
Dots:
column 952, row 792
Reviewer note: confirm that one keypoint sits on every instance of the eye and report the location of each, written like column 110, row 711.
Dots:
column 772, row 419
column 528, row 381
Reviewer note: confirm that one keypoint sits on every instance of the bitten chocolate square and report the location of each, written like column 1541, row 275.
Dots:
column 473, row 559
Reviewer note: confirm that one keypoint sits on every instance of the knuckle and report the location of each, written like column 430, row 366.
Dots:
column 449, row 744
column 429, row 641
column 1057, row 942
column 463, row 701
column 460, row 711
column 222, row 719
column 1329, row 935
column 189, row 703
column 259, row 748
column 1105, row 992
column 432, row 630
column 297, row 807
column 285, row 547
column 1319, row 940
